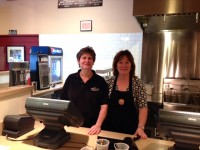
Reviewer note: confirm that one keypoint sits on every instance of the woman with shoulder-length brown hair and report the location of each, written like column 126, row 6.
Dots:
column 127, row 112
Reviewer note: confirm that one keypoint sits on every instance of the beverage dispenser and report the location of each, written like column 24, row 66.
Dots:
column 46, row 65
column 55, row 64
column 39, row 67
column 17, row 73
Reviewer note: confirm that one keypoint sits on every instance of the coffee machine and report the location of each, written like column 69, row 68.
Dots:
column 17, row 73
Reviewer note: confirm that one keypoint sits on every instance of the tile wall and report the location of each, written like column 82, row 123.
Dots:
column 105, row 46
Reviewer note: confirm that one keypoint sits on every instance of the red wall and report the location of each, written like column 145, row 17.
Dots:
column 16, row 40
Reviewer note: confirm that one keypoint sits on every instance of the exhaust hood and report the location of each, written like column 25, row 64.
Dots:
column 155, row 15
column 171, row 40
column 159, row 7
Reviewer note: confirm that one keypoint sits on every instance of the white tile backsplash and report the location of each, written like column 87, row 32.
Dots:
column 105, row 45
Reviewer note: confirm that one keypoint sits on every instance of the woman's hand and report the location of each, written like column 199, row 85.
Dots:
column 94, row 130
column 140, row 132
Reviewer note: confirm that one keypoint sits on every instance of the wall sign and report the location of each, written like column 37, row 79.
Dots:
column 79, row 3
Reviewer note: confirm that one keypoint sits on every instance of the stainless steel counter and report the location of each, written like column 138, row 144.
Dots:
column 181, row 107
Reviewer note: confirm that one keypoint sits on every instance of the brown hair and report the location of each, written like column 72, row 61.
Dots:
column 84, row 50
column 118, row 57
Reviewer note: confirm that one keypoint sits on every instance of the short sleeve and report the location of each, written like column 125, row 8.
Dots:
column 139, row 93
column 104, row 92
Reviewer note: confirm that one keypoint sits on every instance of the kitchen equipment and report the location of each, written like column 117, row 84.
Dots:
column 170, row 40
column 43, row 67
column 39, row 68
column 49, row 68
column 17, row 73
column 55, row 57
column 181, row 94
column 17, row 125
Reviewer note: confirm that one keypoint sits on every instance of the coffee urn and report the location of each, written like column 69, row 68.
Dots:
column 18, row 72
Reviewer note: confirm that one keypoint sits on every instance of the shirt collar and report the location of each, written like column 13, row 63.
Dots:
column 78, row 74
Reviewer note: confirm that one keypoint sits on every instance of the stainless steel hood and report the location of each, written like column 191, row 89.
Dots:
column 154, row 15
column 169, row 22
column 171, row 40
column 170, row 54
column 163, row 7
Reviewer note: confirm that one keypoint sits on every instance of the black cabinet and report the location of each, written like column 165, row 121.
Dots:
column 152, row 120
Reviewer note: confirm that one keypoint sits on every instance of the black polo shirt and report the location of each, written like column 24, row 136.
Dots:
column 87, row 97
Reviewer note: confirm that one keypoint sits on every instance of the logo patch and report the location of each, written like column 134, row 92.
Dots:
column 94, row 89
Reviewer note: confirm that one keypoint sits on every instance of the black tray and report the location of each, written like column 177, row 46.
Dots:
column 128, row 140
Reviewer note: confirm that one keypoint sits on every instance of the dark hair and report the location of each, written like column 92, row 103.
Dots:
column 84, row 50
column 118, row 57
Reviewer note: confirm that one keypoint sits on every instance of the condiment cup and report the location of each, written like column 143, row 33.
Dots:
column 121, row 146
column 102, row 144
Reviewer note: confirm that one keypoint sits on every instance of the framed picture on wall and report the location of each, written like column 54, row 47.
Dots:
column 15, row 53
column 86, row 25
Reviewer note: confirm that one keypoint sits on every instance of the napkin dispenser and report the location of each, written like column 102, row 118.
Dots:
column 16, row 125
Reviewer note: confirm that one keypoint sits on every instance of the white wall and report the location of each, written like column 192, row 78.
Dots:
column 43, row 17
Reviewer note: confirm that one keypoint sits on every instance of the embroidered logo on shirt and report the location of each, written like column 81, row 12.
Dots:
column 94, row 89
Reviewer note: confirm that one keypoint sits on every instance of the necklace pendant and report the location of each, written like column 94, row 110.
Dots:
column 121, row 101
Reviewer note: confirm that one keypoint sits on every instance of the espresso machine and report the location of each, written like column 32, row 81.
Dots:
column 17, row 73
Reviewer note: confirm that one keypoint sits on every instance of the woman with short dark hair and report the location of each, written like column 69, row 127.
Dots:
column 88, row 91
